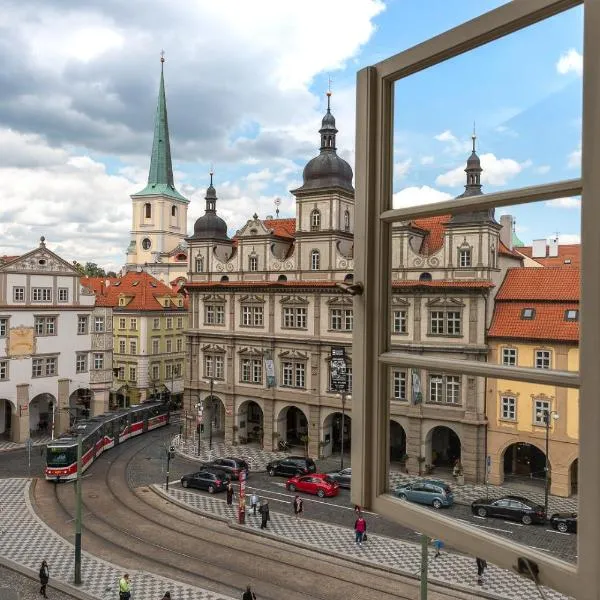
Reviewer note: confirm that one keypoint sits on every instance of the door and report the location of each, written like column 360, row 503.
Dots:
column 417, row 493
column 500, row 508
column 287, row 467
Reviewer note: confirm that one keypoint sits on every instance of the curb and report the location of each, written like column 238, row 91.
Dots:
column 272, row 536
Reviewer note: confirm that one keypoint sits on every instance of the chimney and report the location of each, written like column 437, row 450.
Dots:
column 107, row 282
column 553, row 247
column 539, row 249
column 507, row 223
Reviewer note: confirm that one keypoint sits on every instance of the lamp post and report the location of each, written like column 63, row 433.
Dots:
column 211, row 406
column 53, row 416
column 170, row 454
column 545, row 415
column 343, row 396
column 199, row 423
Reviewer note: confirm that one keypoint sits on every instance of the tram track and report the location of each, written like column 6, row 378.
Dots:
column 203, row 552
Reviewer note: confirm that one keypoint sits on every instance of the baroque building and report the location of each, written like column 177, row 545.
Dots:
column 267, row 306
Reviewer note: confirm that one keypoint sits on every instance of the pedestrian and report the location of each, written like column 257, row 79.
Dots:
column 357, row 511
column 264, row 512
column 229, row 494
column 44, row 578
column 438, row 545
column 249, row 594
column 124, row 587
column 360, row 528
column 298, row 506
column 457, row 469
column 253, row 502
column 167, row 595
column 481, row 567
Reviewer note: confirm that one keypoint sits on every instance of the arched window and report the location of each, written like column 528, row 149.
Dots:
column 225, row 278
column 173, row 211
column 425, row 277
column 199, row 264
column 315, row 260
column 315, row 220
column 347, row 220
column 282, row 278
column 148, row 210
column 253, row 263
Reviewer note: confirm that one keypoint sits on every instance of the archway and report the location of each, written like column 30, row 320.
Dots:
column 6, row 415
column 332, row 434
column 40, row 413
column 292, row 426
column 214, row 415
column 397, row 442
column 250, row 423
column 80, row 405
column 120, row 398
column 523, row 460
column 444, row 446
column 573, row 476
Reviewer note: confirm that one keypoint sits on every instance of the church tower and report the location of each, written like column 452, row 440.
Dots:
column 159, row 223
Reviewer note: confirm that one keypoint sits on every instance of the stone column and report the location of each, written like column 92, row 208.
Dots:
column 268, row 440
column 99, row 404
column 230, row 416
column 473, row 452
column 61, row 414
column 314, row 431
column 20, row 429
column 413, row 440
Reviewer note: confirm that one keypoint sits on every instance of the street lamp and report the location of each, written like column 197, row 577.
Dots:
column 199, row 424
column 343, row 396
column 544, row 415
column 211, row 405
column 170, row 455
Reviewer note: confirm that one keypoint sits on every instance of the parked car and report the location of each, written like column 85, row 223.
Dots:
column 564, row 522
column 428, row 491
column 206, row 479
column 516, row 508
column 343, row 477
column 231, row 465
column 292, row 465
column 318, row 483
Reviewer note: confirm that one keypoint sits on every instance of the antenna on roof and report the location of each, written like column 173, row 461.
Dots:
column 556, row 234
column 277, row 203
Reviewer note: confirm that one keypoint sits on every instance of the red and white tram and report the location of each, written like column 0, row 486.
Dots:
column 99, row 434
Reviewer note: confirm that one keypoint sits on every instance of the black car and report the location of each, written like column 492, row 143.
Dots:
column 343, row 477
column 210, row 480
column 516, row 508
column 229, row 464
column 292, row 465
column 564, row 522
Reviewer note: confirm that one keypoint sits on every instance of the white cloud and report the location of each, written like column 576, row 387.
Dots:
column 453, row 144
column 401, row 168
column 503, row 129
column 568, row 238
column 427, row 160
column 496, row 171
column 564, row 203
column 416, row 196
column 574, row 159
column 570, row 62
column 542, row 169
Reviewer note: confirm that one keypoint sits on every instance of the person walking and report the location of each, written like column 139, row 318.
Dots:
column 44, row 578
column 229, row 494
column 357, row 511
column 264, row 512
column 254, row 502
column 124, row 587
column 249, row 594
column 360, row 528
column 298, row 506
column 481, row 567
column 438, row 545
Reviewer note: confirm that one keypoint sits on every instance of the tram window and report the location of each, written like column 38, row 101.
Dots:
column 60, row 457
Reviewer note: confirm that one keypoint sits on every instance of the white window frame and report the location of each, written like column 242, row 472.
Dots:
column 63, row 294
column 400, row 321
column 214, row 366
column 214, row 314
column 133, row 347
column 252, row 315
column 169, row 323
column 315, row 260
column 253, row 263
column 99, row 325
column 18, row 293
column 156, row 323
column 98, row 361
column 539, row 406
column 375, row 217
column 294, row 317
column 82, row 324
column 315, row 220
column 41, row 294
column 293, row 374
column 122, row 346
column 122, row 323
column 179, row 344
column 543, row 359
column 4, row 324
column 169, row 345
column 132, row 373
column 4, row 373
column 399, row 385
column 81, row 362
column 510, row 357
column 133, row 323
column 155, row 371
column 465, row 258
column 508, row 408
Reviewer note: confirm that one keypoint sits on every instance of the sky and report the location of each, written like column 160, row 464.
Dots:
column 245, row 84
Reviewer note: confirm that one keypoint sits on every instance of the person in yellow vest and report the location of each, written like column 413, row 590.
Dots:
column 124, row 587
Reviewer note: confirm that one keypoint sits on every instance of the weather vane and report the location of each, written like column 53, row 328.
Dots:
column 162, row 56
column 277, row 203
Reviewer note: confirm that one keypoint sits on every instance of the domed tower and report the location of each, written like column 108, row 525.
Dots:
column 325, row 205
column 210, row 226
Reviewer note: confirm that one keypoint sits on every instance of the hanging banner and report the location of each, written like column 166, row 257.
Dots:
column 339, row 369
column 270, row 370
column 417, row 396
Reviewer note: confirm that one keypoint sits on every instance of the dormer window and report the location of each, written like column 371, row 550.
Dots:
column 315, row 220
column 315, row 260
column 253, row 263
column 464, row 257
column 567, row 261
column 571, row 315
column 347, row 220
column 148, row 210
column 528, row 314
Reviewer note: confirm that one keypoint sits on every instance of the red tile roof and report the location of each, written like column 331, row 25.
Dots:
column 285, row 228
column 442, row 283
column 542, row 284
column 548, row 323
column 502, row 249
column 7, row 259
column 570, row 252
column 143, row 287
column 434, row 226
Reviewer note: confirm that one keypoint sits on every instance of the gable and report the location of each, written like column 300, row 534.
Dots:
column 41, row 260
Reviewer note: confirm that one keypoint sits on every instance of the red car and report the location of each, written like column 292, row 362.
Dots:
column 316, row 483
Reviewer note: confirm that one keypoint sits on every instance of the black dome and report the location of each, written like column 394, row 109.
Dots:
column 210, row 226
column 327, row 170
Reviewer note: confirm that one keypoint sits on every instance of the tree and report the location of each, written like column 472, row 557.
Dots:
column 93, row 270
column 79, row 268
column 111, row 274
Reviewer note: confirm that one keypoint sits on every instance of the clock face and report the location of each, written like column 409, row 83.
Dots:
column 146, row 243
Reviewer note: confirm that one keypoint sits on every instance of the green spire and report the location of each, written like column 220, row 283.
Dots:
column 160, row 176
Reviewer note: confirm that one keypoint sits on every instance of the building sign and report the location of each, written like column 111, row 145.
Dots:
column 21, row 342
column 339, row 369
column 417, row 396
column 242, row 507
column 270, row 371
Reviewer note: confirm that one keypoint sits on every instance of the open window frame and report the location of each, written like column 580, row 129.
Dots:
column 372, row 355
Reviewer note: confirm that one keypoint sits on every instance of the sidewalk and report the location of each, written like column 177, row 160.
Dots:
column 454, row 570
column 26, row 540
column 41, row 440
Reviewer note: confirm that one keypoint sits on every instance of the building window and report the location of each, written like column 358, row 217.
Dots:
column 179, row 344
column 508, row 408
column 63, row 294
column 173, row 211
column 179, row 322
column 214, row 366
column 399, row 324
column 132, row 346
column 169, row 344
column 146, row 243
column 294, row 374
column 252, row 316
column 528, row 313
column 122, row 346
column 155, row 345
column 82, row 324
column 251, row 370
column 121, row 373
column 539, row 412
column 315, row 220
column 571, row 315
column 132, row 373
column 543, row 359
column 399, row 385
column 214, row 314
column 169, row 322
column 45, row 326
column 315, row 260
column 444, row 322
column 19, row 294
column 444, row 389
column 294, row 317
column 122, row 323
column 133, row 324
column 347, row 220
column 98, row 361
column 3, row 370
column 341, row 319
column 3, row 326
column 156, row 323
column 99, row 324
column 148, row 210
column 155, row 372
column 39, row 294
column 81, row 362
column 169, row 371
column 464, row 257
column 199, row 264
column 44, row 367
column 253, row 263
column 453, row 389
column 509, row 357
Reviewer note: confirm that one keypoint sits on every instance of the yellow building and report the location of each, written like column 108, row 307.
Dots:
column 535, row 324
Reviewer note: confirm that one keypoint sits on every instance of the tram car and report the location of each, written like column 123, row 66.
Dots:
column 99, row 434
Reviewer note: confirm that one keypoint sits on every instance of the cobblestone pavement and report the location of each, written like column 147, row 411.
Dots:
column 463, row 494
column 26, row 587
column 26, row 540
column 454, row 569
column 41, row 440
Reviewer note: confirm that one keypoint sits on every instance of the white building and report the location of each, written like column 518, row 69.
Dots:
column 46, row 358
